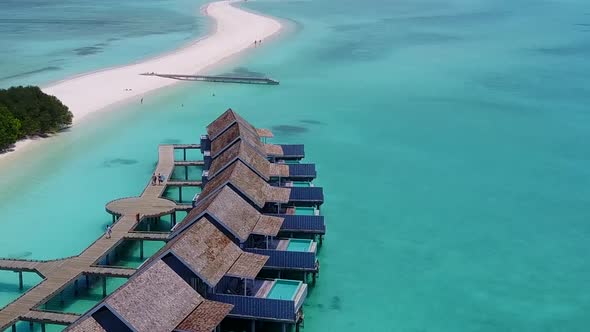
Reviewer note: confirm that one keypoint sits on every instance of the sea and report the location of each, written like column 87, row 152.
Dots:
column 452, row 140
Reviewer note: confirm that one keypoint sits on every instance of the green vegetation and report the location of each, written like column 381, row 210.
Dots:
column 27, row 111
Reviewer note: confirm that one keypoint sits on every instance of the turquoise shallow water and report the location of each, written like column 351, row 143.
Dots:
column 450, row 137
column 45, row 41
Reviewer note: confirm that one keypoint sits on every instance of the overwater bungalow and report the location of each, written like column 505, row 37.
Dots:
column 269, row 199
column 274, row 173
column 207, row 259
column 230, row 127
column 154, row 299
column 297, row 221
column 254, row 232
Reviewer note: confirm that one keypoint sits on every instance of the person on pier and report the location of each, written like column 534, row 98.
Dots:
column 109, row 231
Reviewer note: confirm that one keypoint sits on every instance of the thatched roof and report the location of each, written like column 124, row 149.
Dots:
column 238, row 216
column 262, row 132
column 155, row 299
column 224, row 121
column 247, row 154
column 207, row 251
column 86, row 324
column 268, row 225
column 248, row 184
column 279, row 170
column 234, row 133
column 248, row 266
column 273, row 150
column 206, row 317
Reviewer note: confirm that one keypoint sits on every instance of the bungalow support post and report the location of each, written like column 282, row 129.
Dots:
column 141, row 249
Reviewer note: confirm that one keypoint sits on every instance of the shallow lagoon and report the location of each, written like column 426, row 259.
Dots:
column 450, row 138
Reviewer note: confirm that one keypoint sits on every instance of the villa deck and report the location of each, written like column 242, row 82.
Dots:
column 58, row 274
column 264, row 304
column 287, row 254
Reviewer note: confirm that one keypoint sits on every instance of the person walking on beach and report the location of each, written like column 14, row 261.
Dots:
column 141, row 101
column 137, row 217
column 109, row 231
column 154, row 179
column 255, row 43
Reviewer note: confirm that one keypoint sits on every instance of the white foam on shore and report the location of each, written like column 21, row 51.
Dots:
column 235, row 30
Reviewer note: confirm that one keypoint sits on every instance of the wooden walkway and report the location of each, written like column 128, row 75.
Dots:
column 219, row 79
column 59, row 273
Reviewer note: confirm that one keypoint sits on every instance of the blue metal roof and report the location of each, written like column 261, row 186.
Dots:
column 311, row 224
column 293, row 150
column 304, row 194
column 302, row 170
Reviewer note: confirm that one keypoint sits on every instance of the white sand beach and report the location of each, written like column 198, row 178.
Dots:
column 235, row 30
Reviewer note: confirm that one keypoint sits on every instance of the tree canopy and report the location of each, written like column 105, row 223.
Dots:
column 27, row 111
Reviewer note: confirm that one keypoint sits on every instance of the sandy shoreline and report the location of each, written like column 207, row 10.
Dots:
column 235, row 30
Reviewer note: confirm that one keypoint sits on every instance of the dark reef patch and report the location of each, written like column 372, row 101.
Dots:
column 244, row 72
column 336, row 303
column 456, row 19
column 573, row 49
column 313, row 122
column 289, row 129
column 27, row 73
column 373, row 40
column 88, row 50
column 119, row 161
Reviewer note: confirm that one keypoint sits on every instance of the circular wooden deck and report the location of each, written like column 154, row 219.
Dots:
column 146, row 206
